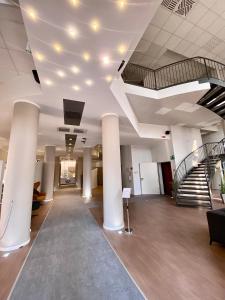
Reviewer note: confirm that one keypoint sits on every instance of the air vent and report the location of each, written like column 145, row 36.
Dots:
column 73, row 111
column 63, row 129
column 80, row 131
column 180, row 7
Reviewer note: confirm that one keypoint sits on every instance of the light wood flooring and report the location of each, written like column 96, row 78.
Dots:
column 169, row 255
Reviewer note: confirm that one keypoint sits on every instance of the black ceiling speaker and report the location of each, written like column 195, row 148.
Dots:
column 36, row 77
column 167, row 132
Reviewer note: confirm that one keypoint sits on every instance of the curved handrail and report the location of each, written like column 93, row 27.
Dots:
column 187, row 70
column 202, row 153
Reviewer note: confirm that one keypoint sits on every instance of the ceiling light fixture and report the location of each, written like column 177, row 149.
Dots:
column 95, row 25
column 89, row 82
column 75, row 69
column 75, row 3
column 108, row 78
column 106, row 60
column 39, row 56
column 86, row 56
column 61, row 73
column 48, row 82
column 72, row 32
column 122, row 4
column 76, row 87
column 122, row 49
column 32, row 14
column 57, row 47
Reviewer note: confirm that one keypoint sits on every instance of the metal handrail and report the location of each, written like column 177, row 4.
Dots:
column 202, row 153
column 187, row 70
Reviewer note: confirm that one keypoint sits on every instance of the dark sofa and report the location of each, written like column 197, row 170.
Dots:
column 216, row 222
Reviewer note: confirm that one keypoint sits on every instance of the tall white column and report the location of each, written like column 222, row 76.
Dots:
column 79, row 170
column 112, row 182
column 20, row 170
column 87, row 191
column 48, row 172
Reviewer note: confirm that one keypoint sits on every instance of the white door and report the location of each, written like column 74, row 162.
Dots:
column 149, row 178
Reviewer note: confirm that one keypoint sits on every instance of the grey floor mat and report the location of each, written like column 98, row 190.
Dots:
column 72, row 260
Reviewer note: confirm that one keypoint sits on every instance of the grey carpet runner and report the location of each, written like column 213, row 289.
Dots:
column 71, row 260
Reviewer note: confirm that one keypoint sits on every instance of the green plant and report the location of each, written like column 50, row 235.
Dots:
column 175, row 185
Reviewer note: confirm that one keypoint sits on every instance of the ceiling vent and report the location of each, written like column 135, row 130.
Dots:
column 180, row 7
column 63, row 129
column 79, row 131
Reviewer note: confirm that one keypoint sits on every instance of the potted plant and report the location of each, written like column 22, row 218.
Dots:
column 174, row 188
column 222, row 189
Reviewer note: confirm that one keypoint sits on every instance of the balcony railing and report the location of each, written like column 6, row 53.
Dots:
column 188, row 70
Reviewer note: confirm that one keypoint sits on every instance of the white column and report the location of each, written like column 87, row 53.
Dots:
column 79, row 170
column 18, row 190
column 87, row 192
column 48, row 172
column 112, row 182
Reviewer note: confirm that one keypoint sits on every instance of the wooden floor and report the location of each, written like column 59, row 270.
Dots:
column 168, row 254
column 10, row 265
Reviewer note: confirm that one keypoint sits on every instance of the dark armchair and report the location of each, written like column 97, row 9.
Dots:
column 216, row 222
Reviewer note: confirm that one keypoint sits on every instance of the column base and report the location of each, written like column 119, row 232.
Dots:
column 116, row 228
column 14, row 247
column 48, row 200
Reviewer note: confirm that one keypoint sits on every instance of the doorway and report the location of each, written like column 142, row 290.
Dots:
column 167, row 178
column 149, row 178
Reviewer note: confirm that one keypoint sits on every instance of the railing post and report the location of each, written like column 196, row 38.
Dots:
column 185, row 167
column 206, row 68
column 155, row 80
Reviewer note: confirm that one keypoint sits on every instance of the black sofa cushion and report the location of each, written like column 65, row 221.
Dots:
column 216, row 223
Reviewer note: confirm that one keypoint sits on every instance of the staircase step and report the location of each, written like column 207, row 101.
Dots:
column 194, row 186
column 196, row 175
column 193, row 191
column 193, row 202
column 193, row 196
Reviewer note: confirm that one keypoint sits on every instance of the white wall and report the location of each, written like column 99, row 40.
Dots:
column 213, row 137
column 184, row 141
column 140, row 154
column 161, row 152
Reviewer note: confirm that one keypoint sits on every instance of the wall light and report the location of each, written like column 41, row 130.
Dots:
column 57, row 47
column 86, row 56
column 95, row 25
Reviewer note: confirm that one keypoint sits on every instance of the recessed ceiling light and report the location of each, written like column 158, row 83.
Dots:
column 95, row 25
column 57, row 47
column 106, row 60
column 32, row 14
column 39, row 56
column 86, row 56
column 89, row 82
column 76, row 87
column 122, row 4
column 108, row 78
column 61, row 73
column 75, row 69
column 75, row 3
column 122, row 49
column 72, row 32
column 48, row 82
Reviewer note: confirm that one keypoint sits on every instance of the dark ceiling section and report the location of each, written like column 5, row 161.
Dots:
column 73, row 111
column 70, row 141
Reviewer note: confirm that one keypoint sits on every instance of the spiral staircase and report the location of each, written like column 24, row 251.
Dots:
column 193, row 177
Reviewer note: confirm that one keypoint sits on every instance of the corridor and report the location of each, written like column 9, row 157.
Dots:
column 71, row 258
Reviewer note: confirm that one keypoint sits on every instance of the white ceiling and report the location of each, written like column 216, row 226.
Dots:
column 53, row 17
column 171, row 36
column 176, row 110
